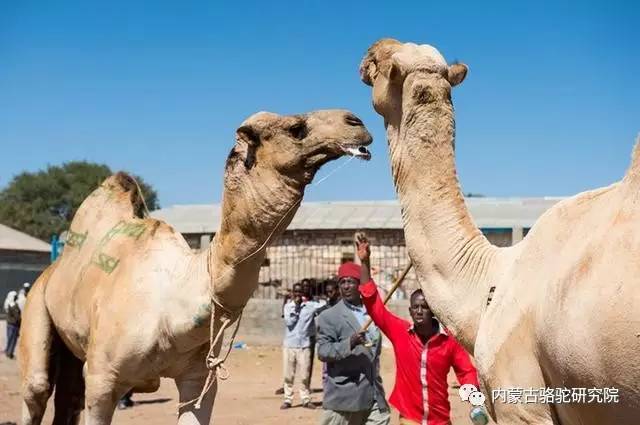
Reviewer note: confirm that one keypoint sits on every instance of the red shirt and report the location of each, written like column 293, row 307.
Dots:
column 417, row 364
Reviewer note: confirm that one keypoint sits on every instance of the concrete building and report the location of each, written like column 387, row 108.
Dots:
column 22, row 259
column 320, row 237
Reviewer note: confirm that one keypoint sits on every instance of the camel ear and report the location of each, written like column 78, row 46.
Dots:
column 397, row 68
column 457, row 73
column 368, row 71
column 250, row 136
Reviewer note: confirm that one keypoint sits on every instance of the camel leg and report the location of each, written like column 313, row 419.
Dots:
column 36, row 354
column 189, row 387
column 102, row 392
column 69, row 396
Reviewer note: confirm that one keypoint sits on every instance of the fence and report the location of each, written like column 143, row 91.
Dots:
column 316, row 255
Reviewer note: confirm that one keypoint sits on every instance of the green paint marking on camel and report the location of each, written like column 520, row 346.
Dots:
column 76, row 239
column 134, row 230
column 204, row 313
column 107, row 262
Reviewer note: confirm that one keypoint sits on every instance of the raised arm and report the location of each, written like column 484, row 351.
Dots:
column 389, row 323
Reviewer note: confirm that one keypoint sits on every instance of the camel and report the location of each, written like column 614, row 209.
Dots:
column 565, row 309
column 129, row 302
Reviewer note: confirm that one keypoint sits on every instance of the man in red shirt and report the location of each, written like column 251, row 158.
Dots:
column 423, row 350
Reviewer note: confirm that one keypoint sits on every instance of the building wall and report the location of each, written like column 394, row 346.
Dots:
column 317, row 254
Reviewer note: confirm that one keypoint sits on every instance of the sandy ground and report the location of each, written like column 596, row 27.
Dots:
column 247, row 397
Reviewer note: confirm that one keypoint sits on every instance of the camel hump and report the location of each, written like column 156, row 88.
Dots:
column 123, row 183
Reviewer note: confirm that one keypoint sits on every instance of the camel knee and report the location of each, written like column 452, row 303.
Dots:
column 36, row 388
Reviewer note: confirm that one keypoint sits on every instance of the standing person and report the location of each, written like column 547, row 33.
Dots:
column 285, row 300
column 353, row 392
column 332, row 293
column 424, row 353
column 13, row 322
column 299, row 318
column 308, row 289
column 22, row 295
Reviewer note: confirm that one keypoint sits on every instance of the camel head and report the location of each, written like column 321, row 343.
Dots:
column 417, row 72
column 274, row 158
column 295, row 146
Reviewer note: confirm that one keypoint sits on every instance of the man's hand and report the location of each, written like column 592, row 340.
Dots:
column 357, row 339
column 364, row 254
column 362, row 247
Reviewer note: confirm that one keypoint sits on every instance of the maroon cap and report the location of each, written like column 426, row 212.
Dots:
column 349, row 269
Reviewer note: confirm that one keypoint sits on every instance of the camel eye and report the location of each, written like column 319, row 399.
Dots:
column 299, row 130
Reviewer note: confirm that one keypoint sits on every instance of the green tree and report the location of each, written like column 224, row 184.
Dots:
column 44, row 202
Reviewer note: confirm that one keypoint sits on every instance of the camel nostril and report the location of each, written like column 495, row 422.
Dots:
column 353, row 120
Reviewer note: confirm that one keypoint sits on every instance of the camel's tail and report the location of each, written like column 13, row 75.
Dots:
column 36, row 352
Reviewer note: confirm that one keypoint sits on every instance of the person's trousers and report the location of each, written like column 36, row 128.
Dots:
column 13, row 332
column 373, row 416
column 313, row 355
column 297, row 359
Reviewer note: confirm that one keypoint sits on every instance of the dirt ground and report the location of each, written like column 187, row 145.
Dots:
column 246, row 398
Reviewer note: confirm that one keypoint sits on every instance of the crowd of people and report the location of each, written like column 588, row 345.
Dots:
column 350, row 350
column 13, row 308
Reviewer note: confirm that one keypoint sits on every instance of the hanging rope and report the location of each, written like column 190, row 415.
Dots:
column 214, row 363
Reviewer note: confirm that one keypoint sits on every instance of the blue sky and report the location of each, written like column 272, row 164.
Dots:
column 551, row 105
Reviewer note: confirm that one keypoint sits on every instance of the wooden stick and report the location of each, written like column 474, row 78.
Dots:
column 395, row 286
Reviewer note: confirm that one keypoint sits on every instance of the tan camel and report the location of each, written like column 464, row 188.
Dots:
column 132, row 302
column 566, row 306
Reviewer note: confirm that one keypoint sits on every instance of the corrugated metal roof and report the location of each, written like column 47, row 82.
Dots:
column 16, row 240
column 488, row 213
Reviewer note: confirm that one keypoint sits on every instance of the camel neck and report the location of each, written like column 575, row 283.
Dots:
column 253, row 215
column 453, row 259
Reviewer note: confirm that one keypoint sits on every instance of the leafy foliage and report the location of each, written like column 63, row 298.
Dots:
column 44, row 202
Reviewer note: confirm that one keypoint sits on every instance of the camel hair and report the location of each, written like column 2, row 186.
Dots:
column 129, row 302
column 566, row 308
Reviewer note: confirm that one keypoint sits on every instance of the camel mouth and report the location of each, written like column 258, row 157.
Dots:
column 359, row 152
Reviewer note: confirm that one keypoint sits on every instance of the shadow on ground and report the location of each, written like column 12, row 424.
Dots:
column 152, row 401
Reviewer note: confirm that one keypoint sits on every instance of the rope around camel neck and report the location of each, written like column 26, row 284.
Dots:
column 214, row 363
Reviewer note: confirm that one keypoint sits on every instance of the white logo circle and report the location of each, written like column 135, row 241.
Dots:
column 465, row 390
column 476, row 398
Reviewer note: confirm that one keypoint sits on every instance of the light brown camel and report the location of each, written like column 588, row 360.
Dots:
column 566, row 306
column 130, row 299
